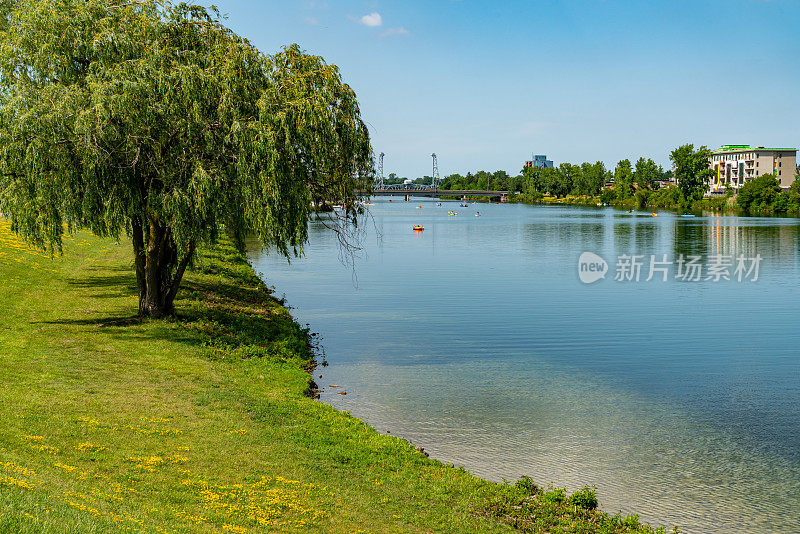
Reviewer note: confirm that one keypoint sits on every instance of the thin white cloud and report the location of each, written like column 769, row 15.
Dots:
column 395, row 31
column 311, row 21
column 373, row 20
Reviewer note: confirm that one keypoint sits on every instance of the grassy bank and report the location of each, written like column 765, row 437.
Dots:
column 658, row 200
column 203, row 423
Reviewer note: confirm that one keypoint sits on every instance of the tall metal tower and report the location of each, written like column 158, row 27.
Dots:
column 435, row 181
column 380, row 172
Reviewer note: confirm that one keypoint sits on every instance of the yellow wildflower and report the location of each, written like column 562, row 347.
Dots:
column 11, row 481
column 88, row 446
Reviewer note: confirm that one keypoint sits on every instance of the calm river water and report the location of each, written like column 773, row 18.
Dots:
column 476, row 339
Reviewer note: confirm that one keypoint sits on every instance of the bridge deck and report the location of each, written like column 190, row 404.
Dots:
column 439, row 192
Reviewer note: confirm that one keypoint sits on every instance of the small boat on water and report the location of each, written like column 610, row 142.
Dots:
column 654, row 214
column 477, row 214
column 687, row 215
column 419, row 207
column 418, row 228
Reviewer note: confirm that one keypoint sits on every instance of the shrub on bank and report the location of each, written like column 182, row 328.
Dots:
column 528, row 508
column 666, row 197
column 760, row 194
column 585, row 498
column 607, row 196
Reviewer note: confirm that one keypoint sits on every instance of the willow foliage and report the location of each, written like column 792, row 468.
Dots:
column 155, row 121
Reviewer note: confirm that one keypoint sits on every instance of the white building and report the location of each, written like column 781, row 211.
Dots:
column 736, row 164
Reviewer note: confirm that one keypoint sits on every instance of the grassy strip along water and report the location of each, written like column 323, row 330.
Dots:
column 203, row 423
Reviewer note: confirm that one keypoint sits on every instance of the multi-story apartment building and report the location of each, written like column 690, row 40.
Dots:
column 736, row 164
column 539, row 161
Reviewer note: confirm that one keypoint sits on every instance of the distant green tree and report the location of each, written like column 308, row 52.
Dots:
column 647, row 173
column 623, row 180
column 759, row 194
column 568, row 176
column 481, row 180
column 607, row 196
column 592, row 178
column 500, row 181
column 156, row 121
column 581, row 184
column 642, row 196
column 551, row 181
column 794, row 191
column 691, row 171
column 469, row 181
column 666, row 197
column 452, row 181
column 514, row 183
column 666, row 175
column 532, row 181
column 789, row 199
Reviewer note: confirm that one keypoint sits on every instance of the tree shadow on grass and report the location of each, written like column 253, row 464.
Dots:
column 99, row 322
column 225, row 293
column 124, row 327
column 116, row 285
column 230, row 311
column 105, row 286
column 240, row 316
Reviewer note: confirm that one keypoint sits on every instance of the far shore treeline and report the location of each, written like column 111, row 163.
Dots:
column 643, row 184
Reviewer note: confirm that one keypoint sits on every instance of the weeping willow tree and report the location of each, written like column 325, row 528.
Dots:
column 154, row 121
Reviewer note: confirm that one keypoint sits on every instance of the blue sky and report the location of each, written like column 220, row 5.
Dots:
column 486, row 83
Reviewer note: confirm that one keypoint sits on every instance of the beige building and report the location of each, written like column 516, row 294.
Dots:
column 736, row 164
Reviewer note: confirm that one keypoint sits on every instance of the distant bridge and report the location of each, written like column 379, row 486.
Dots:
column 415, row 190
column 410, row 189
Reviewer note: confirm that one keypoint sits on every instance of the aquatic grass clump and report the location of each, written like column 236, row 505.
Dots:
column 526, row 484
column 584, row 498
column 527, row 508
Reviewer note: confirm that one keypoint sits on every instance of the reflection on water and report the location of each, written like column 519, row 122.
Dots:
column 476, row 340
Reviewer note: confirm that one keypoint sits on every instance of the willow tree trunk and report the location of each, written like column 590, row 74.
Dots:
column 159, row 270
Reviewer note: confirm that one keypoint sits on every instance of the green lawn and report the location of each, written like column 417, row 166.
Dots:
column 202, row 423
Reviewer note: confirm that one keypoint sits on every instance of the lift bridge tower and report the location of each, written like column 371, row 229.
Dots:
column 435, row 176
column 379, row 177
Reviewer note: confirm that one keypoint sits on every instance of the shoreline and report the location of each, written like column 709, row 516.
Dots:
column 203, row 421
column 512, row 514
column 718, row 205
